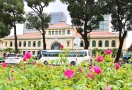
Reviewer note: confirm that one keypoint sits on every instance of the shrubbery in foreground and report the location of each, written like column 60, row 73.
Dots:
column 104, row 75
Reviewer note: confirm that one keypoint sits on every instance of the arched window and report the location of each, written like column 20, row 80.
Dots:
column 29, row 43
column 93, row 43
column 6, row 44
column 24, row 44
column 106, row 43
column 100, row 43
column 34, row 43
column 113, row 43
column 11, row 44
column 39, row 43
column 81, row 43
column 20, row 44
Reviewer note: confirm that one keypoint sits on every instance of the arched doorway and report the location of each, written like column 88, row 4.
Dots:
column 55, row 46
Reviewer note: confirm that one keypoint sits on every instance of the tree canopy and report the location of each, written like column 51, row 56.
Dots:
column 35, row 22
column 86, row 16
column 13, row 11
column 3, row 31
column 121, row 14
column 42, row 19
column 4, row 27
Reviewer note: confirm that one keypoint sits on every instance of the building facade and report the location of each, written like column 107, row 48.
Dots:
column 64, row 34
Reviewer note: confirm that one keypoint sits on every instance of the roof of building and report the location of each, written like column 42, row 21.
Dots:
column 100, row 33
column 92, row 34
column 27, row 35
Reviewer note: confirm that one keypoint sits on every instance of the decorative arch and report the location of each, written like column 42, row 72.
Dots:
column 11, row 44
column 93, row 43
column 55, row 46
column 100, row 43
column 113, row 43
column 29, row 43
column 106, row 43
column 81, row 43
column 24, row 44
column 34, row 44
column 39, row 43
column 20, row 44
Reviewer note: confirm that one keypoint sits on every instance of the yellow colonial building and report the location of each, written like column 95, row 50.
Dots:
column 61, row 33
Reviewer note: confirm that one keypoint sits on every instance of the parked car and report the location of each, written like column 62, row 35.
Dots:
column 2, row 59
column 126, row 58
column 13, row 58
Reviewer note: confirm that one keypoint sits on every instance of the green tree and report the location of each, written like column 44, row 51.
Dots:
column 4, row 27
column 13, row 11
column 3, row 30
column 121, row 14
column 86, row 16
column 41, row 22
column 9, row 50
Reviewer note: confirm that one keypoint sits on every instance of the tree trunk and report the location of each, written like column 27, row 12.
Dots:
column 119, row 51
column 86, row 43
column 121, row 39
column 16, row 47
column 44, row 44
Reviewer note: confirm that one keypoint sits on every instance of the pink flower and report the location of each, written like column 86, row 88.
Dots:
column 97, row 70
column 117, row 65
column 80, row 70
column 28, row 55
column 108, row 51
column 90, row 68
column 131, row 73
column 50, row 66
column 13, row 71
column 107, row 88
column 4, row 64
column 100, row 58
column 38, row 64
column 24, row 58
column 90, row 74
column 61, row 46
column 69, row 73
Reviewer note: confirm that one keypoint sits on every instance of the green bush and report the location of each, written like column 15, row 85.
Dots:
column 66, row 77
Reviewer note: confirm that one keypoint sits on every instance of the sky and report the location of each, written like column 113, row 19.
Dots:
column 57, row 6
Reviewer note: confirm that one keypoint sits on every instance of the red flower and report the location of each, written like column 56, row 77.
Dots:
column 69, row 73
column 90, row 74
column 61, row 46
column 4, row 64
column 117, row 65
column 80, row 70
column 97, row 70
column 108, row 51
column 100, row 58
column 38, row 64
column 28, row 55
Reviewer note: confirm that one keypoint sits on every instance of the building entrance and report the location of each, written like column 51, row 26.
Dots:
column 55, row 46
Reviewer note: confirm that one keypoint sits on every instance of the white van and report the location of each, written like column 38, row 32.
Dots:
column 46, row 55
column 13, row 58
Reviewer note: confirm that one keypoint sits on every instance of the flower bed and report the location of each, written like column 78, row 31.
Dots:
column 104, row 75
